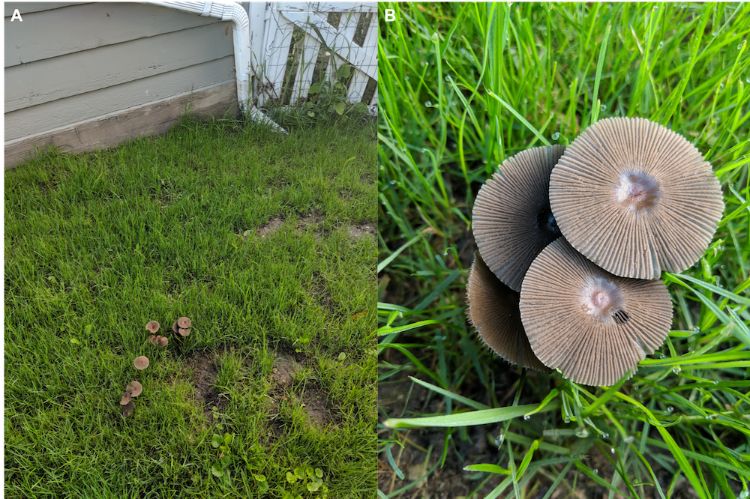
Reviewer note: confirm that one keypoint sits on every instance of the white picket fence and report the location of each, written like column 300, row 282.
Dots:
column 296, row 45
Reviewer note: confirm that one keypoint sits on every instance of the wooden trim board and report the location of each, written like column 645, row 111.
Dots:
column 152, row 118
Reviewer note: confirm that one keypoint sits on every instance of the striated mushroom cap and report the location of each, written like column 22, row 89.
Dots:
column 591, row 325
column 140, row 362
column 134, row 388
column 152, row 327
column 635, row 198
column 493, row 310
column 184, row 323
column 512, row 220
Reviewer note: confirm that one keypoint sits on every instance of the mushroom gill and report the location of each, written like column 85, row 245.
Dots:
column 635, row 198
column 512, row 220
column 591, row 325
column 493, row 310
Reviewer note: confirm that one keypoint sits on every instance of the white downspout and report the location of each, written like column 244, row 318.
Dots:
column 230, row 11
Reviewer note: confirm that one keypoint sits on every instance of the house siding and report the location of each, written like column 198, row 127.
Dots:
column 70, row 63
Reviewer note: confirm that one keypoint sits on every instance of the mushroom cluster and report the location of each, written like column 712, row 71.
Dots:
column 572, row 242
column 182, row 328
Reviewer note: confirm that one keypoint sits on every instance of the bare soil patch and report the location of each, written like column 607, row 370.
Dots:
column 205, row 371
column 270, row 227
column 361, row 230
column 313, row 397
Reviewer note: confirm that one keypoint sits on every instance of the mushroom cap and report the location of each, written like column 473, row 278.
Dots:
column 125, row 400
column 152, row 327
column 162, row 340
column 134, row 388
column 184, row 322
column 493, row 310
column 512, row 220
column 183, row 331
column 140, row 362
column 128, row 409
column 635, row 198
column 154, row 340
column 591, row 325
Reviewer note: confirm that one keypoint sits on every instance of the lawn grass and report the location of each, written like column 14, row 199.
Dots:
column 464, row 86
column 283, row 315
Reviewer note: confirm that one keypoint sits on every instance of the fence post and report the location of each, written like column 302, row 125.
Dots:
column 256, row 12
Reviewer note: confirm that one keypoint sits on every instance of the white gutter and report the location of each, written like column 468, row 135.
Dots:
column 230, row 11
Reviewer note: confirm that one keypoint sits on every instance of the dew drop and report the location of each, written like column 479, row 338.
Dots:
column 677, row 369
column 428, row 104
column 499, row 439
column 555, row 135
column 670, row 409
column 526, row 417
column 629, row 439
column 612, row 450
column 582, row 433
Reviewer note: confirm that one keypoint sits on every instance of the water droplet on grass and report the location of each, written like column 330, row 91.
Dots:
column 499, row 439
column 428, row 104
column 526, row 417
column 677, row 369
column 555, row 135
column 582, row 433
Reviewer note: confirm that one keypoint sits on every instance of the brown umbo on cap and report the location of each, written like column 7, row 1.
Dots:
column 591, row 325
column 152, row 327
column 635, row 198
column 493, row 310
column 512, row 220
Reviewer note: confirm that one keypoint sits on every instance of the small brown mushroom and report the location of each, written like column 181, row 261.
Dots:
column 152, row 327
column 184, row 323
column 154, row 340
column 125, row 400
column 591, row 325
column 140, row 362
column 512, row 220
column 163, row 341
column 493, row 310
column 183, row 331
column 635, row 198
column 128, row 409
column 134, row 388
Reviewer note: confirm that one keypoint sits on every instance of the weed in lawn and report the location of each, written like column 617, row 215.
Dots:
column 149, row 230
column 463, row 87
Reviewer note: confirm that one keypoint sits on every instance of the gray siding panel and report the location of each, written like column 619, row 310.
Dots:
column 64, row 112
column 29, row 7
column 53, row 33
column 31, row 84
